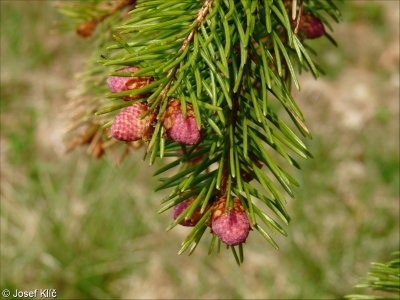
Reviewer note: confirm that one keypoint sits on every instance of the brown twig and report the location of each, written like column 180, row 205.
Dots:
column 296, row 30
column 199, row 20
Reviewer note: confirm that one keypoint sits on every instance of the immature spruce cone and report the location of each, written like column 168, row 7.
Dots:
column 120, row 83
column 180, row 129
column 311, row 26
column 180, row 207
column 232, row 229
column 128, row 127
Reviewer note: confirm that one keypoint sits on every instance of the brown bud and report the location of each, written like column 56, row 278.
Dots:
column 246, row 176
column 85, row 29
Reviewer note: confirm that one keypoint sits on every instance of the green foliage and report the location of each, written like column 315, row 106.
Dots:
column 382, row 277
column 331, row 235
column 232, row 62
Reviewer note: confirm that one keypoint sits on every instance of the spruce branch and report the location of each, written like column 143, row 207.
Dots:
column 82, row 126
column 217, row 70
column 383, row 278
column 88, row 14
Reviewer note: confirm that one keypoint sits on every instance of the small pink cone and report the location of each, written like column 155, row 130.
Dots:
column 311, row 26
column 127, row 126
column 233, row 228
column 180, row 129
column 178, row 209
column 121, row 83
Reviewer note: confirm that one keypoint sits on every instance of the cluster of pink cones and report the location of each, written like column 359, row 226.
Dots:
column 135, row 122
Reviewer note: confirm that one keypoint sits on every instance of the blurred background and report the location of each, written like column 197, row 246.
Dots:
column 91, row 230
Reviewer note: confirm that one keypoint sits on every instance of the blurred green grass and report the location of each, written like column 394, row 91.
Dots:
column 91, row 230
